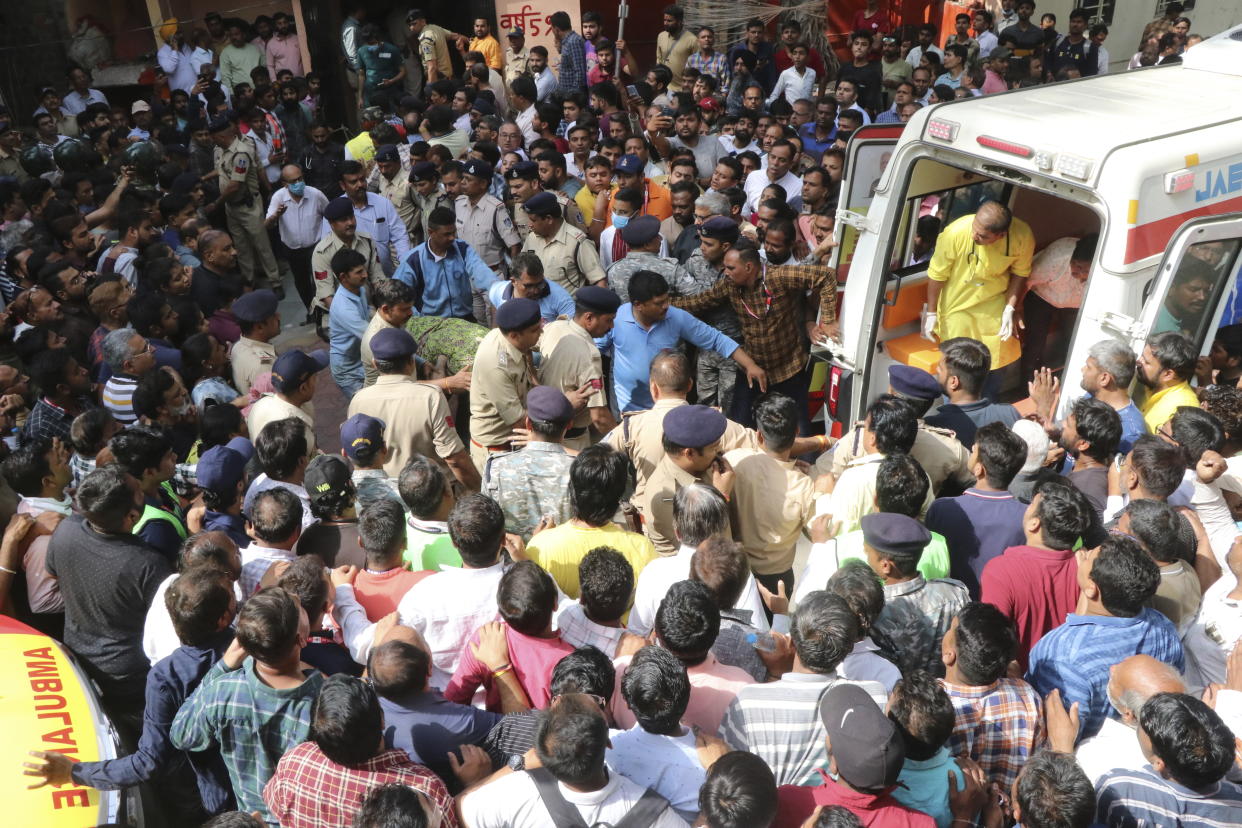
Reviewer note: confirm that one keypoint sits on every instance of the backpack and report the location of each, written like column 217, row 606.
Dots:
column 415, row 262
column 564, row 815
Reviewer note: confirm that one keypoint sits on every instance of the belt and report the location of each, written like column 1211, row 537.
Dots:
column 576, row 432
column 501, row 447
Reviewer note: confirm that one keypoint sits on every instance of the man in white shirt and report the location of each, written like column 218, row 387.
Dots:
column 573, row 776
column 276, row 523
column 447, row 607
column 1131, row 683
column 80, row 96
column 778, row 171
column 298, row 210
column 174, row 58
column 927, row 43
column 659, row 752
column 699, row 513
column 522, row 93
column 984, row 35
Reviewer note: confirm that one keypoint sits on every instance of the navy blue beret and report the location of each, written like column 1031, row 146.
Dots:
column 598, row 299
column 912, row 382
column 694, row 426
column 517, row 314
column 543, row 402
column 894, row 533
column 392, row 343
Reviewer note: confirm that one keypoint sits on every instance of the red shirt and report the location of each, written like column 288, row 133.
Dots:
column 533, row 660
column 794, row 803
column 878, row 24
column 1037, row 588
column 309, row 790
column 380, row 592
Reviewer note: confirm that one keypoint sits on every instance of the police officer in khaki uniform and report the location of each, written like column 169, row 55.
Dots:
column 484, row 224
column 394, row 185
column 693, row 434
column 503, row 373
column 427, row 195
column 394, row 305
column 416, row 415
column 515, row 55
column 524, row 184
column 569, row 257
column 238, row 169
column 571, row 360
column 942, row 456
column 343, row 233
column 254, row 354
column 641, row 434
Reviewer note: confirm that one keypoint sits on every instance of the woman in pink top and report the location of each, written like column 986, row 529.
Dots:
column 526, row 598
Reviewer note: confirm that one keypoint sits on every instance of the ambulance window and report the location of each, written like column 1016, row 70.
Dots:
column 928, row 215
column 1206, row 279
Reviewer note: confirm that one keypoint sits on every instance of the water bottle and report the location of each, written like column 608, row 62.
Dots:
column 763, row 642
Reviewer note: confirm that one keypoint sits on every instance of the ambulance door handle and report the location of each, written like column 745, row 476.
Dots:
column 1119, row 322
column 858, row 221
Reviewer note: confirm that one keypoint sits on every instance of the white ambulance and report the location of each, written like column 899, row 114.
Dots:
column 1151, row 160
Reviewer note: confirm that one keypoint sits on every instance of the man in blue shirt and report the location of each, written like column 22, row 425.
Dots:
column 1118, row 580
column 201, row 606
column 526, row 281
column 647, row 325
column 348, row 317
column 443, row 271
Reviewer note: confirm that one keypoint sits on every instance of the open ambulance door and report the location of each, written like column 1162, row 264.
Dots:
column 867, row 157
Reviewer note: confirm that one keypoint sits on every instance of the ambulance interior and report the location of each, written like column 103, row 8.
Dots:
column 945, row 193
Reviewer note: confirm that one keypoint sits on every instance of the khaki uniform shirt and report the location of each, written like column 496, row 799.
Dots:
column 250, row 359
column 501, row 378
column 570, row 210
column 378, row 323
column 515, row 64
column 398, row 190
column 271, row 408
column 433, row 45
column 416, row 419
column 938, row 451
column 853, row 496
column 240, row 162
column 321, row 264
column 655, row 504
column 641, row 437
column 569, row 258
column 486, row 227
column 570, row 361
column 775, row 501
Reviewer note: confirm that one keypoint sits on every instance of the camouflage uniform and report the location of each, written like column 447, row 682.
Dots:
column 715, row 375
column 916, row 615
column 620, row 272
column 530, row 484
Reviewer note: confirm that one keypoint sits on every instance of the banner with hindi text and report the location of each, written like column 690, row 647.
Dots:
column 532, row 17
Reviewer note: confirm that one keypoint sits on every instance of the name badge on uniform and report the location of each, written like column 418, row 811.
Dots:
column 503, row 360
column 240, row 163
column 385, row 55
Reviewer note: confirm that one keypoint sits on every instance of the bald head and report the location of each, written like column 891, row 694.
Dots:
column 670, row 373
column 290, row 173
column 399, row 668
column 1137, row 679
column 994, row 216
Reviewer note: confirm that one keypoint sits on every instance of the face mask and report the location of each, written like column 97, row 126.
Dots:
column 619, row 221
column 297, row 188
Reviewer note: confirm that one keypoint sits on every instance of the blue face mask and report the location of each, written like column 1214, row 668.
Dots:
column 619, row 221
column 297, row 188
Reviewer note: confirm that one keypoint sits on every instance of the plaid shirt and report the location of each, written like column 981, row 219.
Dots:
column 769, row 310
column 309, row 790
column 573, row 70
column 252, row 724
column 998, row 725
column 81, row 467
column 717, row 66
column 47, row 421
column 578, row 630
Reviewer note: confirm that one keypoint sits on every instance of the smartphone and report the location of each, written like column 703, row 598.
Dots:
column 631, row 90
column 666, row 111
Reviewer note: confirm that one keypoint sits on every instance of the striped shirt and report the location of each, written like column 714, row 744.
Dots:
column 779, row 722
column 1140, row 798
column 251, row 723
column 1076, row 658
column 998, row 725
column 118, row 397
column 579, row 631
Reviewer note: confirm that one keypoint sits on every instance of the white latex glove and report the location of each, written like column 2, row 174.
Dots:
column 1006, row 326
column 929, row 324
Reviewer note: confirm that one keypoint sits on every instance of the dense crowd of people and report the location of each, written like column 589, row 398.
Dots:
column 553, row 575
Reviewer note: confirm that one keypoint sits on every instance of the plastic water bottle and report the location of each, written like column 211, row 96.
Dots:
column 763, row 642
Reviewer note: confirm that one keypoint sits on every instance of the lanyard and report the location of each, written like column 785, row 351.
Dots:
column 767, row 301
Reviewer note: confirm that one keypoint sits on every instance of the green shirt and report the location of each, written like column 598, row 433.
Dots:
column 379, row 61
column 428, row 546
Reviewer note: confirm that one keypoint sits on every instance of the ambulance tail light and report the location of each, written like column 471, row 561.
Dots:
column 1000, row 145
column 1179, row 182
column 1071, row 166
column 942, row 129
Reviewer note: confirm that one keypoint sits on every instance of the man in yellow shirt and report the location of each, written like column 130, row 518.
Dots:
column 1165, row 368
column 484, row 43
column 598, row 479
column 975, row 280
